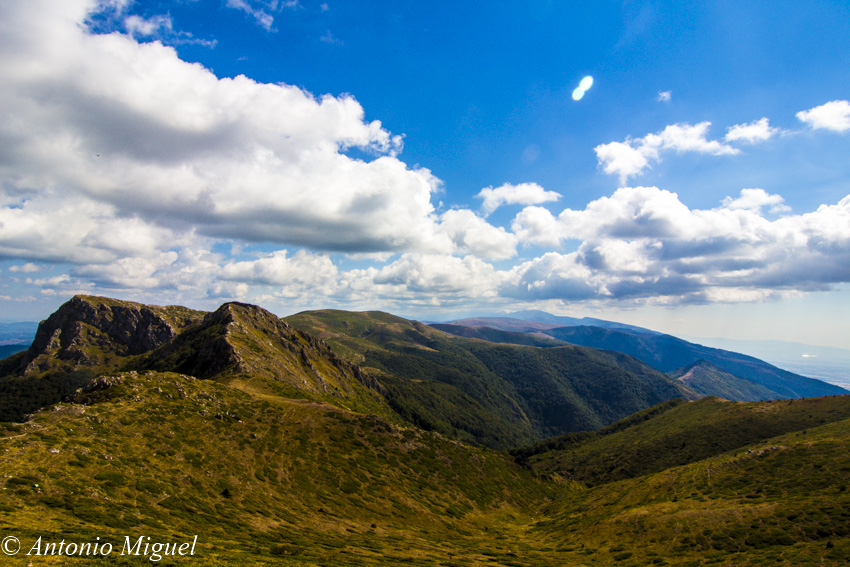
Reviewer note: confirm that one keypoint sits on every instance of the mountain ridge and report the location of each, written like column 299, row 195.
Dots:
column 268, row 470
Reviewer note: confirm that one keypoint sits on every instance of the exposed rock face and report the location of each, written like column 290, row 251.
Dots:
column 243, row 345
column 239, row 338
column 89, row 331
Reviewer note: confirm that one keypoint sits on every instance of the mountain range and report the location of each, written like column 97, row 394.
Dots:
column 663, row 352
column 343, row 438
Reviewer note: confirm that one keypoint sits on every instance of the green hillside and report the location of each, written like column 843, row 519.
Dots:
column 706, row 379
column 284, row 482
column 498, row 395
column 676, row 433
column 783, row 501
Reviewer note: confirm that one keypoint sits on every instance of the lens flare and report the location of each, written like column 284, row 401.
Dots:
column 578, row 93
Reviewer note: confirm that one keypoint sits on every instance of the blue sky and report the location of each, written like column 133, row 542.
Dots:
column 429, row 159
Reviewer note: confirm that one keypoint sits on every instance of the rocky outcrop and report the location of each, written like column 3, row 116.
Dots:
column 239, row 338
column 240, row 344
column 90, row 331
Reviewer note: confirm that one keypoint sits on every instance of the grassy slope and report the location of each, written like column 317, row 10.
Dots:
column 300, row 483
column 253, row 350
column 430, row 380
column 708, row 380
column 783, row 501
column 165, row 455
column 682, row 434
column 495, row 394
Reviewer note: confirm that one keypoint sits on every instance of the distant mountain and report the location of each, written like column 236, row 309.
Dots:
column 562, row 321
column 508, row 324
column 493, row 394
column 529, row 336
column 707, row 379
column 9, row 350
column 745, row 378
column 829, row 364
column 668, row 353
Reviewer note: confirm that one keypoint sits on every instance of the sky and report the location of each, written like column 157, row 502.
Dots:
column 680, row 166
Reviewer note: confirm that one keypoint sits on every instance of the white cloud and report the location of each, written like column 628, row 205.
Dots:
column 131, row 131
column 536, row 225
column 127, row 169
column 260, row 9
column 263, row 18
column 329, row 38
column 27, row 268
column 471, row 234
column 623, row 158
column 757, row 131
column 141, row 27
column 633, row 156
column 522, row 194
column 301, row 275
column 443, row 279
column 755, row 199
column 664, row 96
column 834, row 115
column 643, row 242
column 552, row 276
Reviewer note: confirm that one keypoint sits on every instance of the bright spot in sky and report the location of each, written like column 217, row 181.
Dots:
column 583, row 86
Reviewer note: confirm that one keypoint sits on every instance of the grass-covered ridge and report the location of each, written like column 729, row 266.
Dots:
column 783, row 501
column 163, row 453
column 677, row 433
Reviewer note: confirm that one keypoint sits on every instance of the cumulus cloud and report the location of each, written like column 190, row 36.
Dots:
column 643, row 242
column 128, row 130
column 139, row 26
column 471, row 234
column 129, row 164
column 757, row 131
column 834, row 115
column 27, row 268
column 302, row 274
column 441, row 279
column 755, row 199
column 125, row 169
column 664, row 96
column 509, row 194
column 633, row 156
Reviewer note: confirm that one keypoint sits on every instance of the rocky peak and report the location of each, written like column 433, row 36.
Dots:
column 88, row 330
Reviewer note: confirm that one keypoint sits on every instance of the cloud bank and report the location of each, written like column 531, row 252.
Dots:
column 125, row 169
